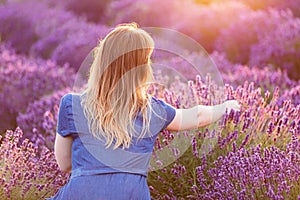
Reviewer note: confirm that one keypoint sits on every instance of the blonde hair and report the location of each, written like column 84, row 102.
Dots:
column 116, row 88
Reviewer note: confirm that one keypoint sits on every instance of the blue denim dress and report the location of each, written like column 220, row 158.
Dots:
column 100, row 173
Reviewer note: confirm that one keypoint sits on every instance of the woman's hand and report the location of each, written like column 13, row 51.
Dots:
column 232, row 105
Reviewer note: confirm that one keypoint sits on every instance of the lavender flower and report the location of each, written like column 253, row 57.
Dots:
column 24, row 174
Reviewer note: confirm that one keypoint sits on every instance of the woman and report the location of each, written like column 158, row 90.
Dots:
column 105, row 136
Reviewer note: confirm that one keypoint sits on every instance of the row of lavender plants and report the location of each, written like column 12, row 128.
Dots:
column 266, row 121
column 34, row 107
column 66, row 32
column 251, row 154
column 48, row 32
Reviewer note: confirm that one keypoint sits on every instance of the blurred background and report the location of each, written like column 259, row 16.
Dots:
column 43, row 43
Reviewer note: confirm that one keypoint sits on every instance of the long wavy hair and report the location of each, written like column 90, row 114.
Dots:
column 117, row 84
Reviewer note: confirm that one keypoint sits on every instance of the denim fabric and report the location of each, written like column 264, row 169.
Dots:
column 107, row 173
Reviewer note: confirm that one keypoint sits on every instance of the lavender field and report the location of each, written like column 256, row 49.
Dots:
column 250, row 154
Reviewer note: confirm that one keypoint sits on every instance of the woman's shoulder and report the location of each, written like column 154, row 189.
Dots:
column 155, row 100
column 159, row 102
column 71, row 96
column 71, row 100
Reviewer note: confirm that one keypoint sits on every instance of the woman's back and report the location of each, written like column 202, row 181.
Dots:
column 105, row 172
column 89, row 152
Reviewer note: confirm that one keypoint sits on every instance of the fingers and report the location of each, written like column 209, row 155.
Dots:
column 233, row 104
column 238, row 106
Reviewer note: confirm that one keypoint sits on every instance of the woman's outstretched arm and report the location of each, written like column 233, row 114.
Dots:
column 199, row 116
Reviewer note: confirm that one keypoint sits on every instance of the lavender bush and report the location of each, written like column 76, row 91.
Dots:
column 39, row 120
column 143, row 13
column 247, row 155
column 247, row 30
column 292, row 94
column 48, row 32
column 80, row 40
column 92, row 10
column 281, row 48
column 13, row 22
column 24, row 80
column 23, row 174
column 267, row 77
column 267, row 173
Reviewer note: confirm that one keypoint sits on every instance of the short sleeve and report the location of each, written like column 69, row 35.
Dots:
column 168, row 110
column 65, row 122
